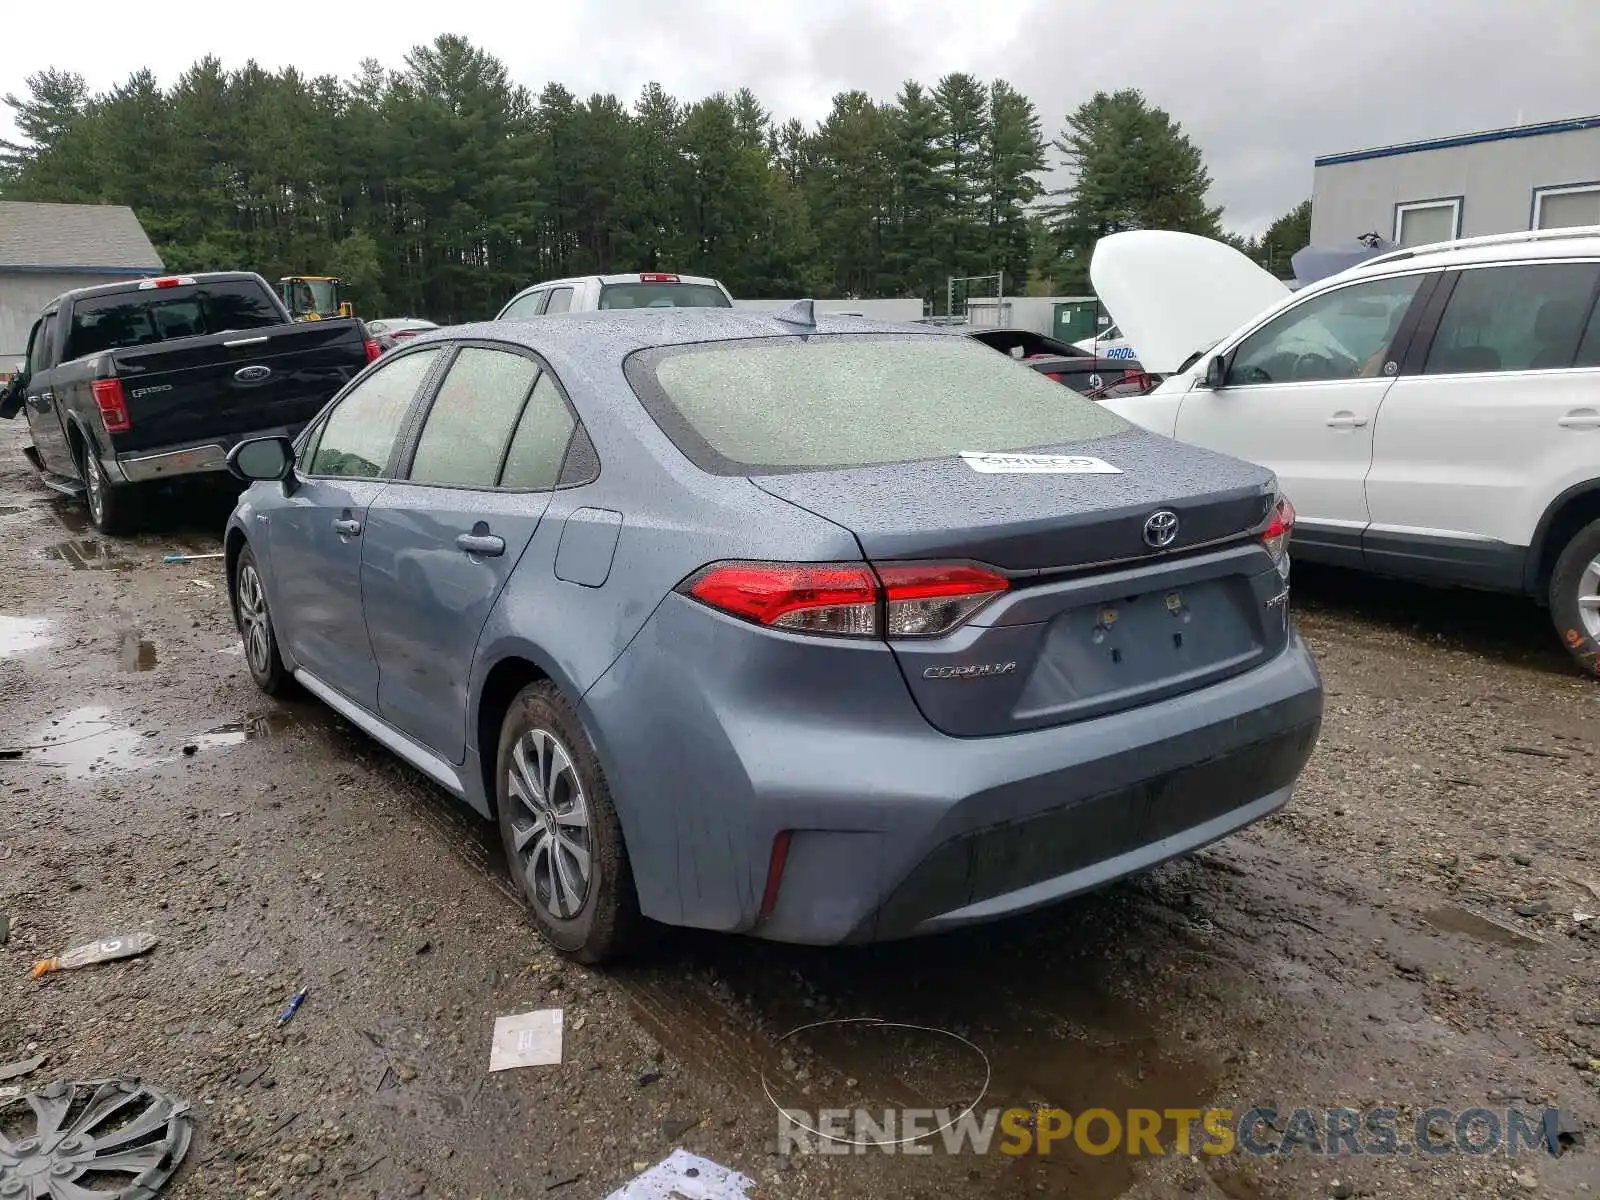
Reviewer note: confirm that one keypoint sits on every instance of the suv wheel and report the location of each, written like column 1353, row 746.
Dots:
column 255, row 627
column 110, row 508
column 1575, row 597
column 562, row 838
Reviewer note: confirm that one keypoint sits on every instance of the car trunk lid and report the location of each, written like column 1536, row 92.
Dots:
column 1096, row 619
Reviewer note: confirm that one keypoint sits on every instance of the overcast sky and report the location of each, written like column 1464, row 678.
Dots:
column 1263, row 86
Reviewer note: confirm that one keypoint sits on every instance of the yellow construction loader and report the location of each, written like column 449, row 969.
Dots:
column 314, row 297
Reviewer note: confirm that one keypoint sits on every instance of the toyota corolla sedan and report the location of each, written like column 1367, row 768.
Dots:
column 806, row 627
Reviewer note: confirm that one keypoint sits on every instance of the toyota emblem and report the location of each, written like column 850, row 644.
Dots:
column 1161, row 529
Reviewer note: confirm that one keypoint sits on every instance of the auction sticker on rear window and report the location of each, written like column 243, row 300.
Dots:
column 1038, row 464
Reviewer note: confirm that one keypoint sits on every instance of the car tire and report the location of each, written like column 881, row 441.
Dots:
column 254, row 618
column 1575, row 598
column 112, row 508
column 562, row 839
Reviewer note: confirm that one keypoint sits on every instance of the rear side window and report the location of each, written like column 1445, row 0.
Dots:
column 530, row 305
column 1521, row 318
column 142, row 318
column 534, row 461
column 662, row 295
column 560, row 300
column 464, row 439
column 359, row 435
column 792, row 404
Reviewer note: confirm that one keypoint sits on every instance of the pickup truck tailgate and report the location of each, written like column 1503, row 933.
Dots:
column 221, row 386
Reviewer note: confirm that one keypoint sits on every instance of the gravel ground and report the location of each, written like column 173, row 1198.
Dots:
column 1402, row 936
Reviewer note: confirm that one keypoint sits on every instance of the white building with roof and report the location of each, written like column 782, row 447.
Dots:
column 47, row 249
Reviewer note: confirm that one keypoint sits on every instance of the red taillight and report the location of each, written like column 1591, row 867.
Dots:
column 113, row 408
column 373, row 350
column 848, row 599
column 775, row 865
column 1279, row 528
column 657, row 277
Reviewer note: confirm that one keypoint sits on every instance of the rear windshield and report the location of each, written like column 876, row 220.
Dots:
column 662, row 295
column 791, row 404
column 142, row 318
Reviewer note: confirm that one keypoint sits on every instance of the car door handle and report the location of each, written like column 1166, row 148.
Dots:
column 1580, row 418
column 486, row 544
column 1346, row 420
column 347, row 527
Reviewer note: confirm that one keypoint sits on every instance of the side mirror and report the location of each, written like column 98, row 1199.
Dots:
column 1216, row 372
column 262, row 459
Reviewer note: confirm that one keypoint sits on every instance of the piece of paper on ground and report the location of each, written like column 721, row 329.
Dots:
column 685, row 1175
column 530, row 1039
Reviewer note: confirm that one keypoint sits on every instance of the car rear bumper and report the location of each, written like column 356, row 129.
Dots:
column 146, row 466
column 715, row 742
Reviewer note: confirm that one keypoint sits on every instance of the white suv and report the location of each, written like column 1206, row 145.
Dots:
column 1433, row 413
column 593, row 293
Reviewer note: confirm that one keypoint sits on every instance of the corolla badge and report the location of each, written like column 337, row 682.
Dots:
column 970, row 671
column 253, row 374
column 1161, row 529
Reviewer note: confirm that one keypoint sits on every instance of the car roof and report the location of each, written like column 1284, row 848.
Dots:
column 1578, row 242
column 635, row 277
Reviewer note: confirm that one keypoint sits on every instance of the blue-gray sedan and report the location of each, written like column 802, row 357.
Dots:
column 812, row 628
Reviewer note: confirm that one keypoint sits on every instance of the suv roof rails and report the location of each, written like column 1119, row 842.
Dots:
column 1490, row 239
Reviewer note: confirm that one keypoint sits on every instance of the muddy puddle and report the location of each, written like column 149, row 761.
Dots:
column 11, row 510
column 83, row 554
column 89, row 741
column 1479, row 928
column 136, row 653
column 22, row 633
column 73, row 517
column 252, row 728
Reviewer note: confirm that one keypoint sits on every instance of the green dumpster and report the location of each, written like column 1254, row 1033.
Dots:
column 1075, row 319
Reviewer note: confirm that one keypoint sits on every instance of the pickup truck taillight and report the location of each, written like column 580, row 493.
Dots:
column 113, row 408
column 373, row 350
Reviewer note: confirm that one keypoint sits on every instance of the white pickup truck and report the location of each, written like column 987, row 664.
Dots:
column 592, row 293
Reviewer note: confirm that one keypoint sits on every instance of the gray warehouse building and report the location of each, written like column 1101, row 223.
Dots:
column 47, row 249
column 1543, row 176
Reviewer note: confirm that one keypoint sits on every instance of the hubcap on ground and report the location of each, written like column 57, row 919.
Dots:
column 253, row 617
column 1589, row 599
column 550, row 824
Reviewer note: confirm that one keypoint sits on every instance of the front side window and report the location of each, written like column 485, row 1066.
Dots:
column 464, row 439
column 524, row 307
column 39, row 351
column 1426, row 222
column 1341, row 334
column 793, row 404
column 359, row 435
column 1521, row 318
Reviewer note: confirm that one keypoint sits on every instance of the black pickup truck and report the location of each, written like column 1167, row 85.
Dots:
column 131, row 383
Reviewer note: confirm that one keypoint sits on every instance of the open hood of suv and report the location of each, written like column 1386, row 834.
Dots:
column 1173, row 294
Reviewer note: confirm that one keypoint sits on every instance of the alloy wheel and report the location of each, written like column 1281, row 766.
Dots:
column 97, row 486
column 550, row 824
column 1589, row 599
column 253, row 619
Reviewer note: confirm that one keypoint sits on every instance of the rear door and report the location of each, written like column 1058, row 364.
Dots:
column 1301, row 395
column 1493, row 417
column 443, row 538
column 316, row 532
